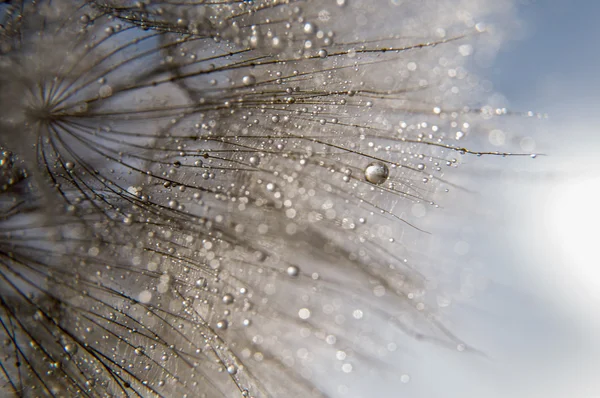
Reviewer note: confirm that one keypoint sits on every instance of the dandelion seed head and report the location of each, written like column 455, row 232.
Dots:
column 186, row 188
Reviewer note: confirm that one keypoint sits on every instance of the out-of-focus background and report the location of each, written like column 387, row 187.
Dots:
column 534, row 231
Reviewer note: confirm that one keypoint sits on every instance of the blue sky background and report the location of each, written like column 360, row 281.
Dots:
column 559, row 46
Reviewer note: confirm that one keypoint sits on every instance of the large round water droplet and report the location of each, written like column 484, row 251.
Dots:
column 248, row 80
column 376, row 173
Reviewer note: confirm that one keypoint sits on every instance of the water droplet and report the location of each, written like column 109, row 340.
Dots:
column 145, row 296
column 309, row 28
column 222, row 324
column 254, row 160
column 228, row 298
column 248, row 80
column 70, row 348
column 304, row 313
column 201, row 282
column 376, row 173
column 105, row 91
column 293, row 270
